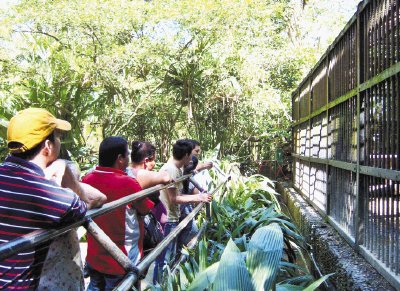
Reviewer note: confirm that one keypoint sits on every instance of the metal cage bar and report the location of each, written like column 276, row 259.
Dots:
column 355, row 87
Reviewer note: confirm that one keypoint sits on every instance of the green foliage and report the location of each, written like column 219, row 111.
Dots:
column 218, row 71
column 254, row 269
column 249, row 243
column 232, row 265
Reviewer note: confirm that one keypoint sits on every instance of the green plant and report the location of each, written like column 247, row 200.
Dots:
column 248, row 245
column 254, row 269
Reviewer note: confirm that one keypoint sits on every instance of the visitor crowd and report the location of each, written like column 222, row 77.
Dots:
column 40, row 191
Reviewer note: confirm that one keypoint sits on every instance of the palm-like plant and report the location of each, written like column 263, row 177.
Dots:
column 249, row 244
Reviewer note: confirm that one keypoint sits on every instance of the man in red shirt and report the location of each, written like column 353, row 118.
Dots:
column 111, row 179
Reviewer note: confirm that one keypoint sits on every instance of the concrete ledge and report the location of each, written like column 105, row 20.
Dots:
column 332, row 253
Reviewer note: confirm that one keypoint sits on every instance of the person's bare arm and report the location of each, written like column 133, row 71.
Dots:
column 174, row 198
column 148, row 179
column 55, row 171
column 203, row 166
column 60, row 172
column 94, row 197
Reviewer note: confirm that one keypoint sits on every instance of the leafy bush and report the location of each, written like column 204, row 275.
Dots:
column 249, row 244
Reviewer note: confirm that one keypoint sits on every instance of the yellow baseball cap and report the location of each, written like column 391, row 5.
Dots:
column 30, row 127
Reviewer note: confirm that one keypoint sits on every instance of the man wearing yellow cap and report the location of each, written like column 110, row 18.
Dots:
column 29, row 201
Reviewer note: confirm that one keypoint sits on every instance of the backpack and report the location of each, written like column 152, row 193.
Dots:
column 153, row 232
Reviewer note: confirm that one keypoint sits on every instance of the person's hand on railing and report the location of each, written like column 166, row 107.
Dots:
column 94, row 198
column 66, row 174
column 166, row 177
column 204, row 166
column 208, row 165
column 204, row 197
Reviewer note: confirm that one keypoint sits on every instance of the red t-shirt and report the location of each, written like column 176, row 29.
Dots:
column 115, row 184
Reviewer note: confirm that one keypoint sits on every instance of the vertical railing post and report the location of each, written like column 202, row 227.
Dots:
column 309, row 135
column 359, row 203
column 327, row 204
column 293, row 150
column 294, row 139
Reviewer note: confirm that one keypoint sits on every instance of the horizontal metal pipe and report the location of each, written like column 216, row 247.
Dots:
column 389, row 174
column 39, row 236
column 108, row 207
column 353, row 19
column 197, row 185
column 193, row 242
column 388, row 73
column 371, row 258
column 131, row 278
column 380, row 173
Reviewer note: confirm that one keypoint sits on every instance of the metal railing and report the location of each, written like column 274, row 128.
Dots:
column 346, row 135
column 131, row 278
column 35, row 238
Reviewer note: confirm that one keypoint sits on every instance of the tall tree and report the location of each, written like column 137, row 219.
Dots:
column 218, row 71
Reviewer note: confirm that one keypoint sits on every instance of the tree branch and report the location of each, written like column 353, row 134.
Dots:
column 137, row 107
column 40, row 32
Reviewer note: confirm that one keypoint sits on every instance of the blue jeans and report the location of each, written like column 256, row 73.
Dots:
column 171, row 253
column 162, row 260
column 100, row 281
column 191, row 228
column 134, row 254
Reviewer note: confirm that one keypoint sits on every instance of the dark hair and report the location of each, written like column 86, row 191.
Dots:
column 33, row 152
column 181, row 148
column 192, row 165
column 109, row 150
column 193, row 142
column 187, row 170
column 141, row 150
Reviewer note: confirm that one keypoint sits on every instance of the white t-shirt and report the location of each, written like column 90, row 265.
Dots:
column 173, row 210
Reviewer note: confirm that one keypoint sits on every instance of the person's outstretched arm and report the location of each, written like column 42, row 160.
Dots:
column 175, row 198
column 147, row 179
column 62, row 174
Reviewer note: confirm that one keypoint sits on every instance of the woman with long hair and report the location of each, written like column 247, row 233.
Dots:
column 143, row 160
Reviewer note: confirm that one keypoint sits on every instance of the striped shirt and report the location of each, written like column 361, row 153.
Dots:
column 29, row 202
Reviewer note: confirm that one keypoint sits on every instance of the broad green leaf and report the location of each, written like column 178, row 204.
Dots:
column 264, row 254
column 188, row 271
column 249, row 203
column 293, row 266
column 299, row 281
column 232, row 273
column 204, row 279
column 288, row 287
column 315, row 284
column 202, row 255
